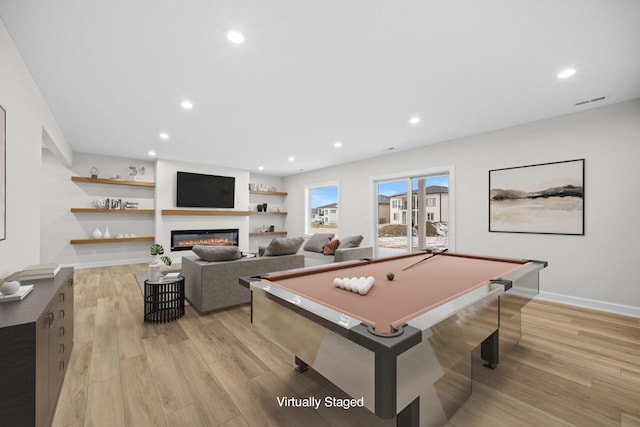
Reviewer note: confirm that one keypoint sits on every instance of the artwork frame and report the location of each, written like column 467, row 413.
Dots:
column 544, row 198
column 3, row 173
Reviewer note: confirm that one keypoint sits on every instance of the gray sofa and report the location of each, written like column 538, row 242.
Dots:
column 213, row 285
column 348, row 254
column 347, row 248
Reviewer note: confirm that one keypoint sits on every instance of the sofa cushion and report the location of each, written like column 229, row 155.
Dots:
column 330, row 248
column 217, row 253
column 317, row 241
column 350, row 241
column 283, row 246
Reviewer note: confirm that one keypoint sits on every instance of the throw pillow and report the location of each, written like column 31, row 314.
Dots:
column 317, row 241
column 351, row 241
column 283, row 246
column 217, row 253
column 330, row 248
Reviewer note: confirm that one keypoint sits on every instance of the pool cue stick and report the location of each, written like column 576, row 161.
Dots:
column 424, row 259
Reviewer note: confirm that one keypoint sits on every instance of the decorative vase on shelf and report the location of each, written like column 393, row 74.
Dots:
column 106, row 234
column 97, row 234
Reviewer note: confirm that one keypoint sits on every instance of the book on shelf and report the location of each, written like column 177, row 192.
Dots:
column 39, row 271
column 20, row 295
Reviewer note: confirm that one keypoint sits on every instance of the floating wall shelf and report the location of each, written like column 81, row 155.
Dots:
column 269, row 193
column 115, row 240
column 268, row 233
column 112, row 181
column 113, row 211
column 267, row 213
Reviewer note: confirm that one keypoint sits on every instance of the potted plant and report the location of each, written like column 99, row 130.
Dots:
column 157, row 252
column 136, row 172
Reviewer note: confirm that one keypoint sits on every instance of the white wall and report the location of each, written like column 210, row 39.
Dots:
column 166, row 199
column 29, row 124
column 58, row 194
column 602, row 265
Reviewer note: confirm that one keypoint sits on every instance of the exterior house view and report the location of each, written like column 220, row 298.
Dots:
column 436, row 205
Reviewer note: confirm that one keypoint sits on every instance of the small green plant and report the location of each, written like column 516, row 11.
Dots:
column 157, row 251
column 133, row 170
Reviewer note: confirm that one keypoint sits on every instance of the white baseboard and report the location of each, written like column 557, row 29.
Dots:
column 624, row 310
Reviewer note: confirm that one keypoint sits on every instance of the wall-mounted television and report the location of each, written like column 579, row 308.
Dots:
column 196, row 190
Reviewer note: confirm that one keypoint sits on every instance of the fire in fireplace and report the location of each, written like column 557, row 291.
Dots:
column 184, row 240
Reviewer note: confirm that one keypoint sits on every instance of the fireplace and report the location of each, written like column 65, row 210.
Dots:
column 184, row 240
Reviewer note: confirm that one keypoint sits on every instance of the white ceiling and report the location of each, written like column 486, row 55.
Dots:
column 315, row 72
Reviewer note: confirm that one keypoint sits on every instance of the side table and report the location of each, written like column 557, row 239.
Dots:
column 163, row 300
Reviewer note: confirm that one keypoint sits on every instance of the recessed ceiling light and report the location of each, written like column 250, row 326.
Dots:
column 566, row 73
column 235, row 36
column 152, row 153
column 291, row 158
column 186, row 104
column 414, row 120
column 163, row 136
column 337, row 144
column 260, row 168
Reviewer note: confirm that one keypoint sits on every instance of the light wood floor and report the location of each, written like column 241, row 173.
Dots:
column 574, row 367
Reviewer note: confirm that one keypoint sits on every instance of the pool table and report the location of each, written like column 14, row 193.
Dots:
column 404, row 347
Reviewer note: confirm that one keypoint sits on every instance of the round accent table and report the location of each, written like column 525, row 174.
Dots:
column 163, row 300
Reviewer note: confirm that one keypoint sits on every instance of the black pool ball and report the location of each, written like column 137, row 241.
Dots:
column 390, row 276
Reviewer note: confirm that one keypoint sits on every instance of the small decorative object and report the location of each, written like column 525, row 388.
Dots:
column 272, row 228
column 100, row 203
column 136, row 172
column 157, row 251
column 106, row 234
column 154, row 272
column 9, row 288
column 259, row 208
column 264, row 207
column 116, row 203
column 94, row 172
column 97, row 234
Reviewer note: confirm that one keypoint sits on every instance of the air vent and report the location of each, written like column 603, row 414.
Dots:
column 589, row 101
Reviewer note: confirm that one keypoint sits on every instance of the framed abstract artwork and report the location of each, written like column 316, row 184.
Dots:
column 3, row 174
column 545, row 198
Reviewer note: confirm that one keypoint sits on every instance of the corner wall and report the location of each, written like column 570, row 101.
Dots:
column 29, row 125
column 600, row 267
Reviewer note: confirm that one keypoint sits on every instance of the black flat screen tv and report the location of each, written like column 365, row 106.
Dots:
column 196, row 190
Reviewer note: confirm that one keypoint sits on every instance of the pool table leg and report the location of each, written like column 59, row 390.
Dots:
column 300, row 365
column 489, row 350
column 409, row 416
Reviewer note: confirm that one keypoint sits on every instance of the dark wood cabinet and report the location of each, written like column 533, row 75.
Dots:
column 36, row 338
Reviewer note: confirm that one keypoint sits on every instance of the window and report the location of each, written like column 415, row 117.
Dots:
column 323, row 201
column 407, row 230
